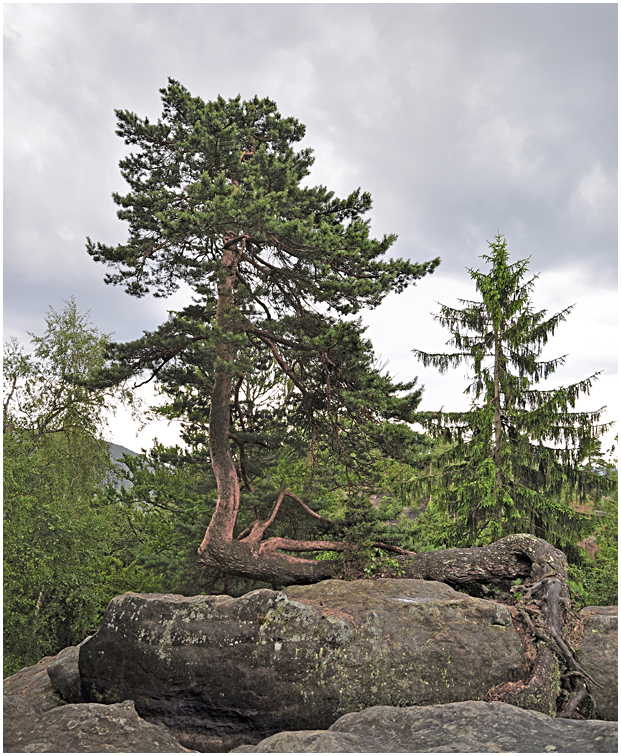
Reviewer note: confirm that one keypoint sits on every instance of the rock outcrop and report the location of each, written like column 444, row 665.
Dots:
column 469, row 727
column 64, row 674
column 598, row 655
column 81, row 728
column 38, row 719
column 34, row 685
column 220, row 671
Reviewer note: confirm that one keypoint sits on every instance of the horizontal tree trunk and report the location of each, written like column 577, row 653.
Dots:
column 246, row 560
column 516, row 556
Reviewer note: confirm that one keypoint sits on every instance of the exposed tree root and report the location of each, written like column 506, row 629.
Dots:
column 544, row 606
column 542, row 689
column 545, row 571
column 539, row 691
column 548, row 628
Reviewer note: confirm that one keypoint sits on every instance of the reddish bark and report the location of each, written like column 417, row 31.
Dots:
column 223, row 520
column 250, row 556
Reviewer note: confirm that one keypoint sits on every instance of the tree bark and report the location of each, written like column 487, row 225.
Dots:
column 516, row 556
column 250, row 557
column 244, row 560
column 223, row 520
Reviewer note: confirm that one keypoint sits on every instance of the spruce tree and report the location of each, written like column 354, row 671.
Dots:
column 515, row 460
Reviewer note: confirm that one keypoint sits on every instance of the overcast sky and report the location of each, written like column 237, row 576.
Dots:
column 461, row 120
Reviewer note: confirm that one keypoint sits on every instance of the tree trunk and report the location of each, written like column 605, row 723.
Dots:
column 497, row 410
column 248, row 561
column 250, row 557
column 516, row 556
column 223, row 520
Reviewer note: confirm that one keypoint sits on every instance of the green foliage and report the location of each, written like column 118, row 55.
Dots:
column 61, row 540
column 165, row 503
column 379, row 563
column 43, row 390
column 513, row 462
column 595, row 581
column 210, row 177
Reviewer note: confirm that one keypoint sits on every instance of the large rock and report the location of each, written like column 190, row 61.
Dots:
column 33, row 684
column 598, row 655
column 64, row 674
column 37, row 718
column 81, row 728
column 221, row 671
column 470, row 727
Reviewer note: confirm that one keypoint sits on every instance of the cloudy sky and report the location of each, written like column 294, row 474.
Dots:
column 461, row 120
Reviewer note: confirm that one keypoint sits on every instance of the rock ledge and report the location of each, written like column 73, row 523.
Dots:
column 465, row 727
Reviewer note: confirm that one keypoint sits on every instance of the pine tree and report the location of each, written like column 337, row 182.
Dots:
column 515, row 460
column 218, row 202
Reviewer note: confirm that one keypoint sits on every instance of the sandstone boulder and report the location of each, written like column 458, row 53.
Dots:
column 81, row 728
column 220, row 671
column 598, row 655
column 469, row 727
column 33, row 683
column 64, row 674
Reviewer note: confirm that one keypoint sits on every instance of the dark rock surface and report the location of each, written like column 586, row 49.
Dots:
column 81, row 728
column 467, row 727
column 221, row 671
column 64, row 674
column 598, row 655
column 341, row 640
column 33, row 684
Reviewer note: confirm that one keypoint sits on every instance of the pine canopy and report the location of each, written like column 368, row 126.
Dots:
column 224, row 175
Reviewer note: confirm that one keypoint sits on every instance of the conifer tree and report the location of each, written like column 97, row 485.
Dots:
column 515, row 459
column 218, row 202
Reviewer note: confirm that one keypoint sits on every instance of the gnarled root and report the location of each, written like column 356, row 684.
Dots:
column 540, row 689
column 575, row 678
column 545, row 570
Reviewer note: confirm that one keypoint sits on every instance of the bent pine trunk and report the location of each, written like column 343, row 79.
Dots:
column 250, row 557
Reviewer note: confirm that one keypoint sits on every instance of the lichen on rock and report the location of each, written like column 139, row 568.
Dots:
column 218, row 671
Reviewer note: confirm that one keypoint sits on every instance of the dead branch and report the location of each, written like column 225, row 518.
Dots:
column 307, row 508
column 394, row 549
column 242, row 456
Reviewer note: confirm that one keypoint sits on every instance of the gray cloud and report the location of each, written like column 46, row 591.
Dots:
column 460, row 119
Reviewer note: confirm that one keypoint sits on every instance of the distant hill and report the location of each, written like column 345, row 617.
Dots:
column 116, row 452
